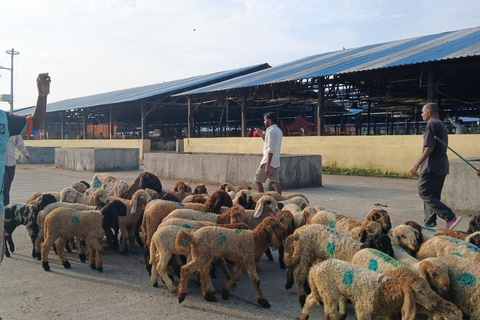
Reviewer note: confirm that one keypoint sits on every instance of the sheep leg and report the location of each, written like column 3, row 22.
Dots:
column 123, row 239
column 269, row 255
column 301, row 274
column 81, row 250
column 7, row 253
column 237, row 272
column 61, row 242
column 46, row 245
column 312, row 300
column 252, row 272
column 185, row 272
column 9, row 240
column 153, row 263
column 208, row 291
column 137, row 231
column 96, row 245
column 33, row 239
column 224, row 266
column 162, row 268
column 131, row 240
column 38, row 244
column 281, row 255
column 91, row 256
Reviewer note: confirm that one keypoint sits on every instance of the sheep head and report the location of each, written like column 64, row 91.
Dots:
column 380, row 242
column 405, row 237
column 237, row 215
column 435, row 272
column 45, row 200
column 381, row 216
column 218, row 199
column 200, row 189
column 140, row 198
column 286, row 217
column 227, row 187
column 80, row 187
column 474, row 224
column 417, row 227
column 182, row 187
column 100, row 198
column 266, row 205
column 70, row 195
column 368, row 228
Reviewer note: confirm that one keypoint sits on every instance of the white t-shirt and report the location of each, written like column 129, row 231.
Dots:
column 272, row 144
column 15, row 142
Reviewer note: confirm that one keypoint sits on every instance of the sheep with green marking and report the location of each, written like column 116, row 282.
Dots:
column 443, row 245
column 373, row 295
column 314, row 242
column 162, row 247
column 243, row 247
column 464, row 289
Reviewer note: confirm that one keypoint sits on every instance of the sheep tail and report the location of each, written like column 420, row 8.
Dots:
column 183, row 241
column 289, row 248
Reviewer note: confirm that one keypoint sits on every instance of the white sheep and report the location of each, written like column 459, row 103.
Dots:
column 98, row 198
column 443, row 245
column 373, row 295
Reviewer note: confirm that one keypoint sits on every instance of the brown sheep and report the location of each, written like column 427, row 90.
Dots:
column 200, row 189
column 244, row 248
column 182, row 187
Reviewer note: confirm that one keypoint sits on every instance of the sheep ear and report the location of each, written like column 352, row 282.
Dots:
column 134, row 205
column 362, row 236
column 409, row 305
column 395, row 238
column 259, row 210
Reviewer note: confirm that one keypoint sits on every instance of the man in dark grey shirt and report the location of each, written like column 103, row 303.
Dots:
column 434, row 168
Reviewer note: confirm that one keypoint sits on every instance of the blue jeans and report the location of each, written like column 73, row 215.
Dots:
column 430, row 190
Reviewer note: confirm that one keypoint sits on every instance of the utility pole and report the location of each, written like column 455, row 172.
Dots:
column 12, row 53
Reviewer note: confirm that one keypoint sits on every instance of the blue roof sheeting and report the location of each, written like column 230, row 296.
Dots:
column 134, row 94
column 442, row 46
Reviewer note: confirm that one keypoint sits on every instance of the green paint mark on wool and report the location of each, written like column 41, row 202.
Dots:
column 185, row 243
column 373, row 265
column 222, row 237
column 466, row 280
column 348, row 278
column 386, row 258
column 458, row 254
column 187, row 226
column 205, row 213
column 332, row 224
column 75, row 221
column 238, row 231
column 96, row 184
column 330, row 248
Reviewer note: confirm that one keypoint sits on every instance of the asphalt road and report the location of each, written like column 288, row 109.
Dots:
column 123, row 290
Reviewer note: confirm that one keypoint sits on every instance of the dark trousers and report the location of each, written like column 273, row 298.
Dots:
column 430, row 190
column 7, row 183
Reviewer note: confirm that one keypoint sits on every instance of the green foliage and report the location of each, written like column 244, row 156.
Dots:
column 366, row 171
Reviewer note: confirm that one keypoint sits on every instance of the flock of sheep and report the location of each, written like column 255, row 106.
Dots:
column 410, row 271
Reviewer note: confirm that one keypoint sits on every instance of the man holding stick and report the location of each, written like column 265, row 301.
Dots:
column 434, row 167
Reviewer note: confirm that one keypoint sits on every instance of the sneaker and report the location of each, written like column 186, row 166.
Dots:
column 452, row 223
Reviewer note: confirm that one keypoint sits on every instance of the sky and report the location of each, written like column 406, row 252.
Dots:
column 91, row 47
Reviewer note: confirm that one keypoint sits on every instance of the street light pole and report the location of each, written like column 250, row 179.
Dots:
column 12, row 53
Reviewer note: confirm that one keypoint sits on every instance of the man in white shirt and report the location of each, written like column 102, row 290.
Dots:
column 270, row 164
column 13, row 142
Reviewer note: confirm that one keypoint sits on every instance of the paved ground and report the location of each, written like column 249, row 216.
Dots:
column 123, row 291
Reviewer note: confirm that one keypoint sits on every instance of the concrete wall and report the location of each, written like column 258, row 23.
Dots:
column 296, row 170
column 96, row 160
column 142, row 145
column 462, row 187
column 387, row 153
column 37, row 155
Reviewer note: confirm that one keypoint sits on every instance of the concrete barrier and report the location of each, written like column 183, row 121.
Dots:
column 38, row 155
column 297, row 171
column 462, row 187
column 97, row 160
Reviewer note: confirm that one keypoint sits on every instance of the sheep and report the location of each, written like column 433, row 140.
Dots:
column 343, row 224
column 66, row 222
column 129, row 224
column 243, row 247
column 379, row 241
column 299, row 201
column 41, row 221
column 182, row 187
column 366, row 229
column 16, row 214
column 162, row 247
column 244, row 198
column 111, row 213
column 98, row 198
column 235, row 214
column 464, row 290
column 200, row 189
column 373, row 295
column 417, row 227
column 406, row 237
column 443, row 245
column 81, row 186
column 316, row 241
column 474, row 225
column 474, row 239
column 195, row 198
column 430, row 269
column 35, row 197
column 143, row 181
column 266, row 206
column 288, row 220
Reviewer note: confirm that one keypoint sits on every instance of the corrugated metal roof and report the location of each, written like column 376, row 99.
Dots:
column 442, row 46
column 134, row 94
